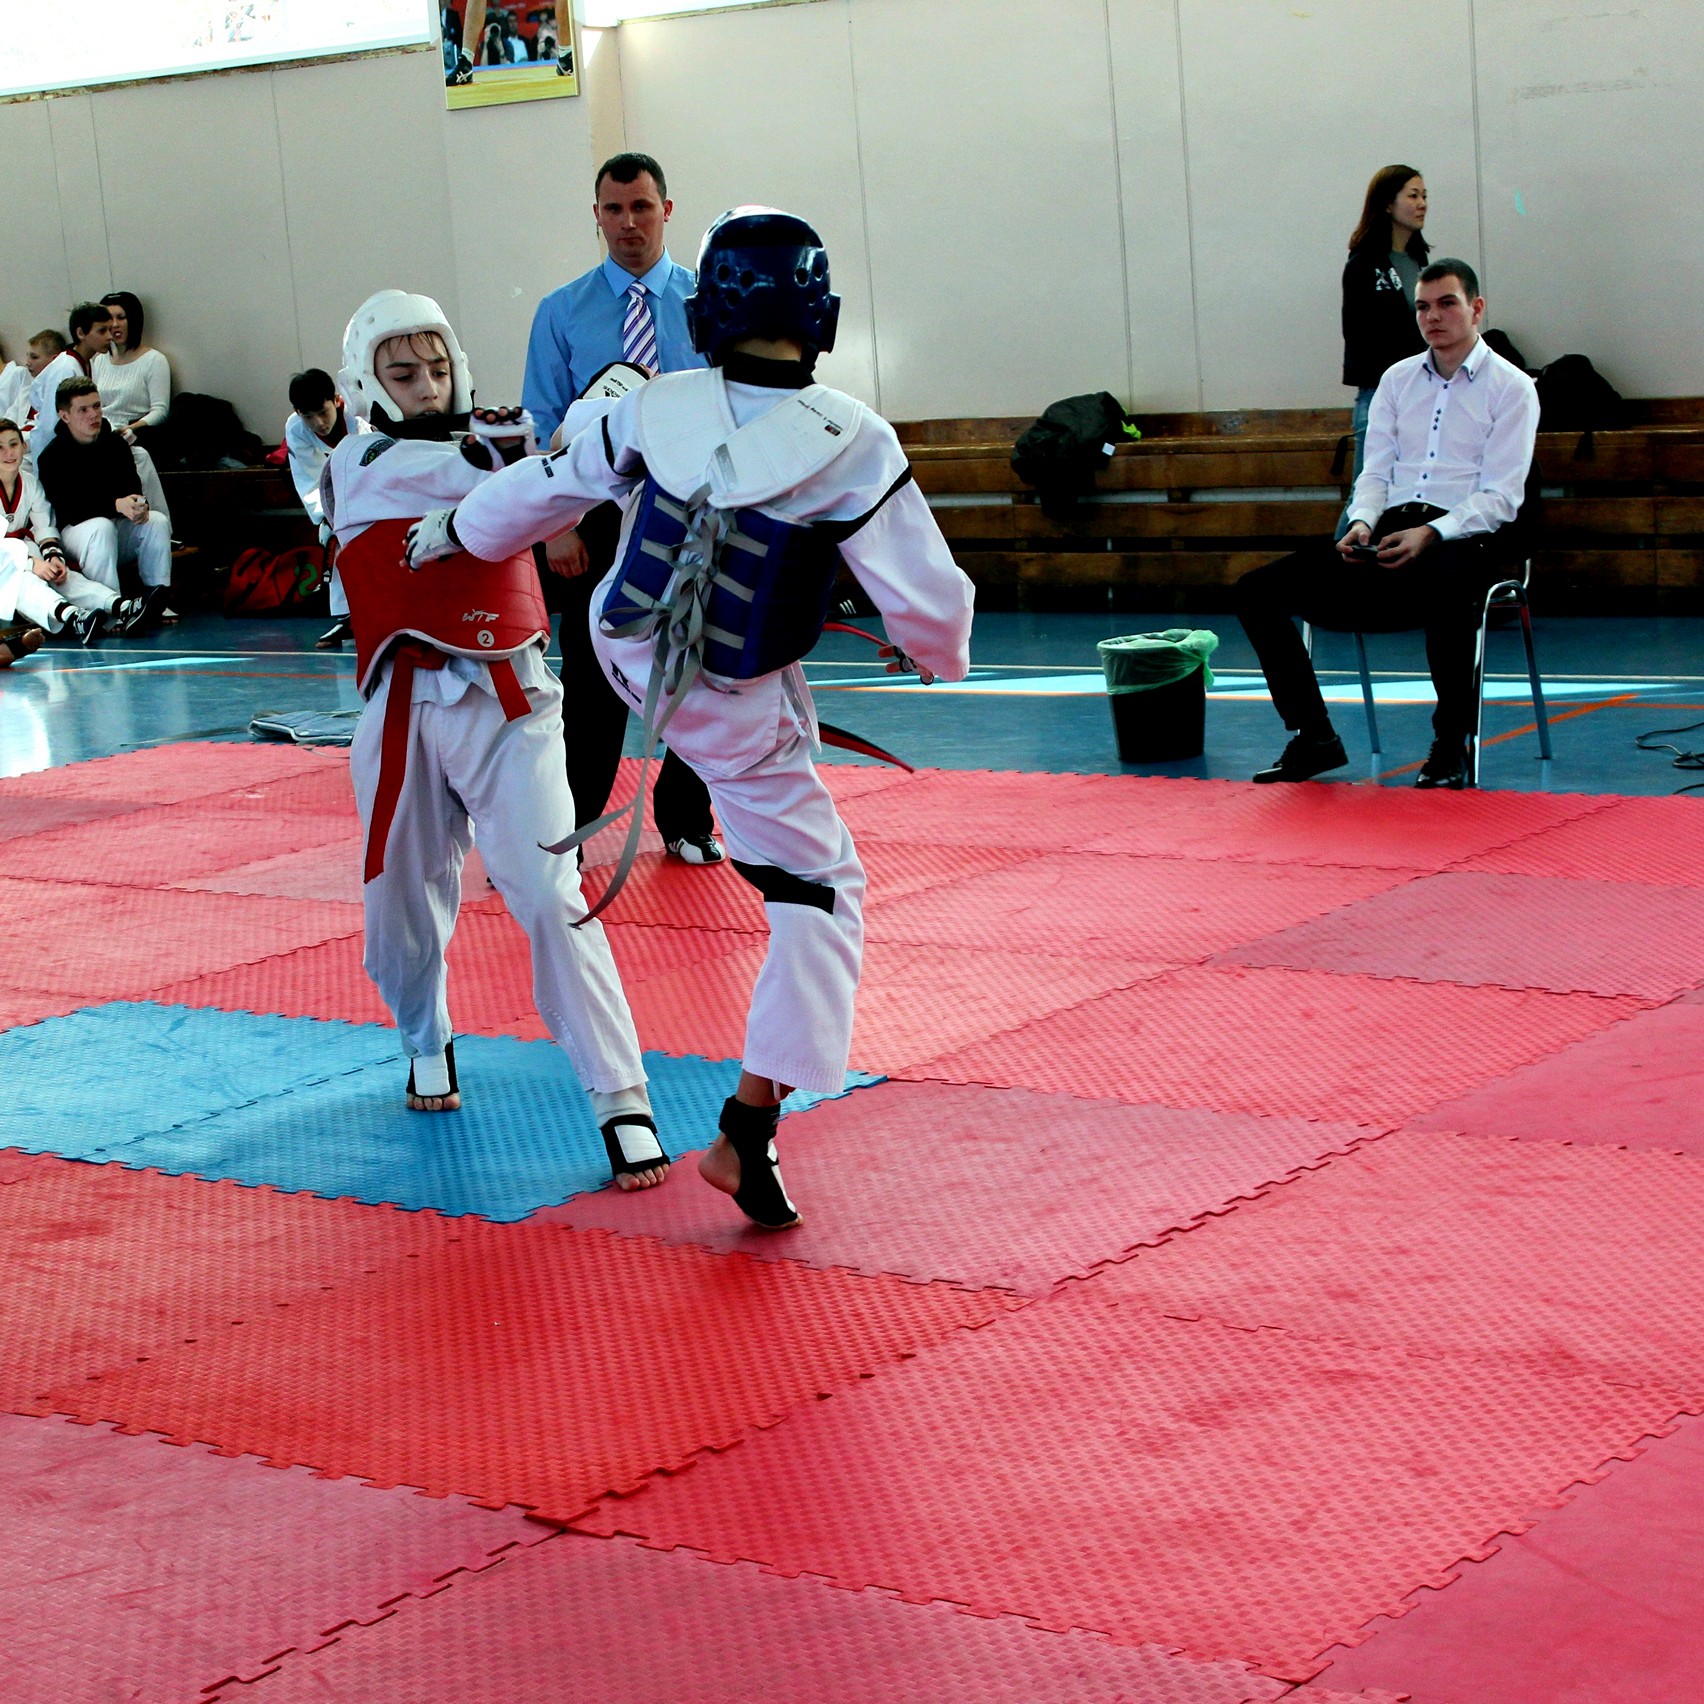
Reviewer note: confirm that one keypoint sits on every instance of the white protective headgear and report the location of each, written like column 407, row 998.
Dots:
column 387, row 314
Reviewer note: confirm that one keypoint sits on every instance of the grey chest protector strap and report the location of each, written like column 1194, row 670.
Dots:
column 683, row 422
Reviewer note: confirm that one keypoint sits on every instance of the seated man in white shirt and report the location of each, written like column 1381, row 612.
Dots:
column 1432, row 527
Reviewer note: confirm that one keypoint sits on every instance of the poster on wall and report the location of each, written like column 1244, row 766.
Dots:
column 497, row 51
column 48, row 48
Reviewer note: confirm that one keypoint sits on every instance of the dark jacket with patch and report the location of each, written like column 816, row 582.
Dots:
column 84, row 482
column 1379, row 328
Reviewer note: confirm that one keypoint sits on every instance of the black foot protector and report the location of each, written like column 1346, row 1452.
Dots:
column 761, row 1196
column 630, row 1140
column 439, row 1087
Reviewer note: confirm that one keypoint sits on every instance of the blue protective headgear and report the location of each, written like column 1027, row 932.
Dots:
column 761, row 273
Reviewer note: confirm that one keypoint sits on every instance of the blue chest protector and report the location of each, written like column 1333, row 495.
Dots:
column 754, row 587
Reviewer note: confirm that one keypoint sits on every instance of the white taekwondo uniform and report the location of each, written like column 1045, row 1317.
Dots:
column 752, row 740
column 466, row 759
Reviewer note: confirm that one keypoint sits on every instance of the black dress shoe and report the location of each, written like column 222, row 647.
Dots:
column 1445, row 766
column 1305, row 758
column 333, row 637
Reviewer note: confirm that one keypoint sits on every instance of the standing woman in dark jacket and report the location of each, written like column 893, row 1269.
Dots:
column 1386, row 255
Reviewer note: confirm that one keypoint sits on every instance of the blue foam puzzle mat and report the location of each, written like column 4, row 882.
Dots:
column 524, row 1139
column 100, row 1079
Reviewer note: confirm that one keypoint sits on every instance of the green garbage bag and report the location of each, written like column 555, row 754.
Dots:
column 1138, row 662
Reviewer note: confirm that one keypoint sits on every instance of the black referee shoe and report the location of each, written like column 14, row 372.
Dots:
column 1305, row 758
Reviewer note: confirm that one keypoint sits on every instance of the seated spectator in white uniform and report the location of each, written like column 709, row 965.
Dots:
column 91, row 332
column 315, row 428
column 89, row 477
column 15, row 379
column 36, row 584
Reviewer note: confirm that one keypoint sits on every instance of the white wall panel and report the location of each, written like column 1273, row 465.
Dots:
column 196, row 229
column 1289, row 110
column 520, row 191
column 991, row 191
column 690, row 103
column 1592, row 123
column 1154, row 185
column 35, row 283
column 80, row 202
column 385, row 224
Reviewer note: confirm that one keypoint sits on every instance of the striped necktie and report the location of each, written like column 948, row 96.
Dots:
column 639, row 331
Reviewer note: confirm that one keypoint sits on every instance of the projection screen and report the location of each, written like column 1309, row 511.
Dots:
column 75, row 44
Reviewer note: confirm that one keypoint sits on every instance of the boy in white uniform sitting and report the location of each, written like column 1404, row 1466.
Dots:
column 463, row 725
column 36, row 582
column 747, row 485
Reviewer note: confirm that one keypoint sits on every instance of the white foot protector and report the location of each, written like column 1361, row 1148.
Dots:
column 431, row 1072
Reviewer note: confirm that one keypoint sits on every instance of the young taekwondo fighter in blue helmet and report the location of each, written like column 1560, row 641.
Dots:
column 463, row 726
column 747, row 485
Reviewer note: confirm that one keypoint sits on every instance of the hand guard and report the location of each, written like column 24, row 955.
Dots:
column 431, row 538
column 508, row 431
column 902, row 664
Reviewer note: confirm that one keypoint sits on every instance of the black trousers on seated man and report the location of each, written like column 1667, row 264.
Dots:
column 594, row 715
column 1442, row 590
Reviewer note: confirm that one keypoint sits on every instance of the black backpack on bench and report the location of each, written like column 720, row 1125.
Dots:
column 1573, row 396
column 1064, row 451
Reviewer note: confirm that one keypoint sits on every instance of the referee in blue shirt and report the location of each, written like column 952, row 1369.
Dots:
column 631, row 307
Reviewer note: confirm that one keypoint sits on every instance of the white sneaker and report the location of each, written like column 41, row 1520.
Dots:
column 696, row 849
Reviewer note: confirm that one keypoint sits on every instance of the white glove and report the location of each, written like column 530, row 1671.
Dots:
column 431, row 538
column 509, row 431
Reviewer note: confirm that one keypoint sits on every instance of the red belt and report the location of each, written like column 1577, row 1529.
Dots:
column 393, row 747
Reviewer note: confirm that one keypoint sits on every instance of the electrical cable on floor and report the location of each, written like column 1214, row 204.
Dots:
column 1683, row 759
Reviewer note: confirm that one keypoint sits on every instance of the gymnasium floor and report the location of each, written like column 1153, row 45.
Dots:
column 1256, row 1256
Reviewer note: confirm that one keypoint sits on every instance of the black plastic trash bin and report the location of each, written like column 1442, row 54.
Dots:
column 1158, row 686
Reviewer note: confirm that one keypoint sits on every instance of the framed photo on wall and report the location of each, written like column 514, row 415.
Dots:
column 498, row 51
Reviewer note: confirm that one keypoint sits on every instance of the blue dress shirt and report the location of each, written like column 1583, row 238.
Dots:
column 576, row 333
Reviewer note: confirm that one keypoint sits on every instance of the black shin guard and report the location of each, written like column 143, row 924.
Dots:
column 761, row 1196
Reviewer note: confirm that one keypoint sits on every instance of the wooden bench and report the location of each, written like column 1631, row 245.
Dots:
column 1202, row 498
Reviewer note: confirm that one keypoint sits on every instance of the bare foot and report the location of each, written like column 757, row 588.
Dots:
column 719, row 1165
column 435, row 1103
column 649, row 1179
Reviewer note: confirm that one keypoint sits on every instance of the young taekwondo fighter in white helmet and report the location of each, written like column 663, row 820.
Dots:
column 747, row 485
column 463, row 721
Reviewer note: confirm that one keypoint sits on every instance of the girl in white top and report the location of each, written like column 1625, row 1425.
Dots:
column 135, row 379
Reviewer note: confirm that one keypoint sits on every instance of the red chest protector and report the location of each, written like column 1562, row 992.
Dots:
column 462, row 604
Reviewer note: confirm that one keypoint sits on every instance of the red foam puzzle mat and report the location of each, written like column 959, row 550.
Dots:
column 1569, row 936
column 323, row 981
column 1597, row 1603
column 1232, row 1494
column 1172, row 911
column 18, row 1007
column 139, row 1571
column 559, row 1621
column 1639, row 1083
column 102, row 1267
column 913, row 1002
column 531, row 1364
column 1017, row 810
column 22, row 817
column 995, row 1188
column 490, row 980
column 1655, row 841
column 1282, row 1041
column 158, row 845
column 1326, row 823
column 847, row 781
column 122, row 943
column 169, row 774
column 331, row 870
column 1569, row 1260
